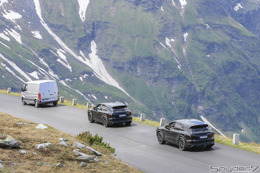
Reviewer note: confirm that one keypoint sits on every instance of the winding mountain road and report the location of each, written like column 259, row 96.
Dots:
column 137, row 144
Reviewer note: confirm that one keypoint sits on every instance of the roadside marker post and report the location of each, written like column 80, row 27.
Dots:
column 8, row 90
column 62, row 99
column 142, row 117
column 162, row 122
column 74, row 102
column 235, row 139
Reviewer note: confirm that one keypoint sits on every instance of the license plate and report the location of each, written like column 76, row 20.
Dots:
column 123, row 115
column 203, row 137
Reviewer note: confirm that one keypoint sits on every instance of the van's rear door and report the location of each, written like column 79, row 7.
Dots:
column 49, row 91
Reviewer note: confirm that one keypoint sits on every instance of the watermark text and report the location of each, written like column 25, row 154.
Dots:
column 233, row 169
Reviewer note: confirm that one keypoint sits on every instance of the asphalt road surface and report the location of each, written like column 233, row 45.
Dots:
column 137, row 144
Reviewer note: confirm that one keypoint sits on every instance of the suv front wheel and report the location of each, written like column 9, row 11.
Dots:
column 182, row 144
column 160, row 137
column 90, row 117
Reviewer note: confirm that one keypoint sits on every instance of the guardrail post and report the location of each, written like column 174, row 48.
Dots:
column 8, row 90
column 235, row 139
column 162, row 122
column 87, row 105
column 61, row 99
column 74, row 102
column 142, row 117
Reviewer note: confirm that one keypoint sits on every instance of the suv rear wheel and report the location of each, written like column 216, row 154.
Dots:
column 182, row 144
column 104, row 121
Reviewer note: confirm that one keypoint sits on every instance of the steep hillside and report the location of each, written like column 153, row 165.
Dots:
column 171, row 58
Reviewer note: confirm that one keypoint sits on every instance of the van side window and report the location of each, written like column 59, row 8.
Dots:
column 25, row 87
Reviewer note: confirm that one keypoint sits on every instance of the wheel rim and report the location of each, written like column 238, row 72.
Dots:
column 159, row 136
column 90, row 117
column 181, row 144
column 105, row 122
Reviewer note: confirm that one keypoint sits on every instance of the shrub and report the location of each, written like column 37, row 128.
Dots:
column 95, row 140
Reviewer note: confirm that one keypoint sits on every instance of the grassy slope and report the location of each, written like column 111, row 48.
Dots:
column 28, row 136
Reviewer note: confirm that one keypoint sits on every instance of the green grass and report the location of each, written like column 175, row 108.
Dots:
column 252, row 147
column 148, row 122
column 69, row 103
column 12, row 93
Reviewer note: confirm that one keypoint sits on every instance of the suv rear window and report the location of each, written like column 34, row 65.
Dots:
column 199, row 129
column 120, row 109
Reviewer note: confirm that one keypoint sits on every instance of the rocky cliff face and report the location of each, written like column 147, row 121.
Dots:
column 170, row 58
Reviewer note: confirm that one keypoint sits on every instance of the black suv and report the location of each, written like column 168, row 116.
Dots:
column 110, row 113
column 186, row 133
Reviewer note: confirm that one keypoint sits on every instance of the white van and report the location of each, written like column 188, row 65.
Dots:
column 40, row 92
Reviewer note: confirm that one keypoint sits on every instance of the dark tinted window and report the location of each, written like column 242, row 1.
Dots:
column 178, row 126
column 120, row 109
column 199, row 129
column 99, row 107
column 103, row 108
column 171, row 125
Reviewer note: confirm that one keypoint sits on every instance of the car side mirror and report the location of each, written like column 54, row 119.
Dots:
column 22, row 89
column 95, row 108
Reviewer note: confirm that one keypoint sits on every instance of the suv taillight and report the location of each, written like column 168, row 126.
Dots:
column 39, row 96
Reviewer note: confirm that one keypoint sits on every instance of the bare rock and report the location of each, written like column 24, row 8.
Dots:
column 63, row 143
column 83, row 164
column 94, row 151
column 86, row 158
column 6, row 141
column 79, row 145
column 62, row 139
column 77, row 153
column 41, row 126
column 21, row 123
column 43, row 145
column 60, row 165
column 22, row 151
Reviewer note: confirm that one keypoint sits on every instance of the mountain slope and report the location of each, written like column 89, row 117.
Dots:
column 172, row 59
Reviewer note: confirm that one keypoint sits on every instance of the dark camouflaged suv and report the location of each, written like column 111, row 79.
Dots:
column 186, row 133
column 110, row 113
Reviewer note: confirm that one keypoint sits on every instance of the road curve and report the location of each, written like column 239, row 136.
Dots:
column 137, row 144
